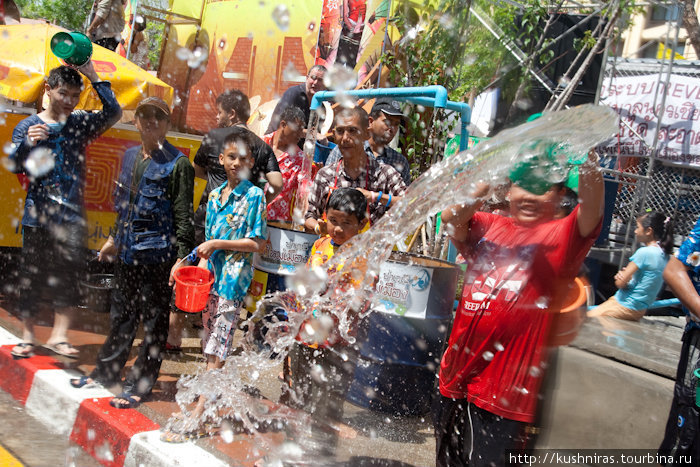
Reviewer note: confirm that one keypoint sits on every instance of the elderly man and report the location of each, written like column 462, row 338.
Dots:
column 384, row 121
column 299, row 96
column 380, row 183
column 53, row 224
column 154, row 230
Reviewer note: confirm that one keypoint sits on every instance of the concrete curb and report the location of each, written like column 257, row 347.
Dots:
column 114, row 437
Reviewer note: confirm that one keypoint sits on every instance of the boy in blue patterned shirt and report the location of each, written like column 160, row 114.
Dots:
column 235, row 228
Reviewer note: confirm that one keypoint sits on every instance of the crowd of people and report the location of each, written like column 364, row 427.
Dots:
column 520, row 261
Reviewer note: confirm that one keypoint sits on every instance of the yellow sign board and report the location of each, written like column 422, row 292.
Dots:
column 104, row 158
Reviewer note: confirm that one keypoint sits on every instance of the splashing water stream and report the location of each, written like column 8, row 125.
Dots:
column 230, row 391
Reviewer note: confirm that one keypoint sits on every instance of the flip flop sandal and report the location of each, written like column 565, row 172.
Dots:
column 177, row 438
column 83, row 381
column 130, row 403
column 61, row 349
column 22, row 346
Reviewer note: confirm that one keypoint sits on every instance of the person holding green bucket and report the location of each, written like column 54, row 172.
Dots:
column 682, row 435
column 520, row 269
column 49, row 148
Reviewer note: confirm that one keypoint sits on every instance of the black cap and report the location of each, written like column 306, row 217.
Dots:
column 388, row 106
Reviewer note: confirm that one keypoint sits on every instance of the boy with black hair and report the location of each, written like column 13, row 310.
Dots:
column 233, row 111
column 519, row 270
column 334, row 358
column 236, row 228
column 53, row 224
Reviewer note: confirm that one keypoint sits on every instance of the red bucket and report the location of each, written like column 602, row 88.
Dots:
column 192, row 291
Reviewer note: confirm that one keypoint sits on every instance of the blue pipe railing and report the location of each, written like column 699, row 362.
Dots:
column 428, row 96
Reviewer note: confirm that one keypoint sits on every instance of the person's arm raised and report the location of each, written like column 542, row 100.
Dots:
column 591, row 193
column 456, row 217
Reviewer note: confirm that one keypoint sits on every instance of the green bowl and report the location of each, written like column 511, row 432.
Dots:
column 74, row 48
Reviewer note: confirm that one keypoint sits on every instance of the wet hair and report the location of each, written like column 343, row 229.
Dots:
column 317, row 67
column 293, row 114
column 64, row 76
column 661, row 228
column 349, row 112
column 240, row 135
column 140, row 23
column 233, row 99
column 350, row 201
column 569, row 200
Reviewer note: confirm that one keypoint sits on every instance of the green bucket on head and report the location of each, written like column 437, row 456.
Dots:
column 539, row 171
column 697, row 387
column 74, row 47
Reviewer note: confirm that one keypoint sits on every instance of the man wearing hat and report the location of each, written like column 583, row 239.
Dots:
column 384, row 121
column 154, row 230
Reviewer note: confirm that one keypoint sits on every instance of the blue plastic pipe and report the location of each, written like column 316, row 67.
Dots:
column 428, row 96
column 438, row 94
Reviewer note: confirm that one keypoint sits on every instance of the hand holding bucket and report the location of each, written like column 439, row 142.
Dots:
column 193, row 286
column 75, row 48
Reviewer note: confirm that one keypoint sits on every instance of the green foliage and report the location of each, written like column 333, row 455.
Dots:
column 442, row 44
column 70, row 14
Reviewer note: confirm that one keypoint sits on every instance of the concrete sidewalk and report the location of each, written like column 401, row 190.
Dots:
column 131, row 437
column 612, row 389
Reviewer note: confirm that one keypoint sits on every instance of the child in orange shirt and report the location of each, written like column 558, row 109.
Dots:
column 321, row 372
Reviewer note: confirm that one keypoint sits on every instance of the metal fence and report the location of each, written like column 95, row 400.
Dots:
column 645, row 182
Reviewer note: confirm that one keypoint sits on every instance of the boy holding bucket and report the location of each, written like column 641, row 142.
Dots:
column 519, row 268
column 235, row 228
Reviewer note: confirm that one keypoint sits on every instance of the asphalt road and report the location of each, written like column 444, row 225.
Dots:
column 26, row 442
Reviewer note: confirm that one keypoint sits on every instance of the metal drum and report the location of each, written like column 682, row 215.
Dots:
column 402, row 340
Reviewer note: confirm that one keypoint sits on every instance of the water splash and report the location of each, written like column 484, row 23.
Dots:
column 280, row 15
column 231, row 392
column 40, row 161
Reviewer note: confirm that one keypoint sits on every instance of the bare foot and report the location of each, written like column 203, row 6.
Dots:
column 345, row 431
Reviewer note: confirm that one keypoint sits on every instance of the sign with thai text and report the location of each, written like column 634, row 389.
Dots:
column 403, row 289
column 285, row 251
column 638, row 101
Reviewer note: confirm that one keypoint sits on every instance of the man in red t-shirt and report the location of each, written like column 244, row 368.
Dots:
column 519, row 268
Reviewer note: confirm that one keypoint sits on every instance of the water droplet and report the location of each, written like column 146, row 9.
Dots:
column 542, row 303
column 535, row 372
column 280, row 15
column 104, row 452
column 340, row 78
column 40, row 162
column 564, row 81
column 226, row 432
column 290, row 73
column 183, row 53
column 488, row 356
column 8, row 164
column 498, row 346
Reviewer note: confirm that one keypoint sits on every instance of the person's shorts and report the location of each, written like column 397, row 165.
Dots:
column 51, row 267
column 612, row 309
column 220, row 318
